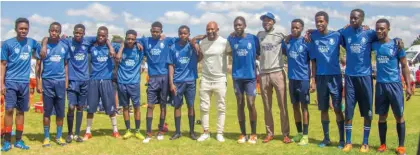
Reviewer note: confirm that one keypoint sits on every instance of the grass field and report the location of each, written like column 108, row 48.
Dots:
column 103, row 143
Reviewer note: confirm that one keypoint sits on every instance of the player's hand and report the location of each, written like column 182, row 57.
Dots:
column 365, row 27
column 139, row 46
column 307, row 36
column 43, row 53
column 312, row 87
column 399, row 43
column 39, row 87
column 162, row 36
column 173, row 89
column 200, row 37
column 111, row 53
column 347, row 25
column 2, row 89
column 287, row 38
column 408, row 94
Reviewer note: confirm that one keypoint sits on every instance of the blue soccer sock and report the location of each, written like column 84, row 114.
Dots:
column 348, row 128
column 127, row 124
column 59, row 131
column 401, row 133
column 326, row 129
column 79, row 117
column 366, row 132
column 178, row 124
column 47, row 132
column 137, row 122
column 382, row 132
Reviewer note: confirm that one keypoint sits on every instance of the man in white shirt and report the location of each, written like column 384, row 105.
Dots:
column 215, row 50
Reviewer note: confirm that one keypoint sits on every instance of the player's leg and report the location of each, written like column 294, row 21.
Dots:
column 251, row 92
column 323, row 105
column 22, row 106
column 11, row 100
column 240, row 102
column 294, row 90
column 164, row 99
column 134, row 93
column 205, row 99
column 59, row 106
column 72, row 95
column 279, row 83
column 93, row 101
column 336, row 88
column 108, row 102
column 190, row 97
column 397, row 105
column 220, row 93
column 81, row 103
column 350, row 104
column 364, row 97
column 124, row 102
column 266, row 95
column 178, row 101
column 48, row 100
column 32, row 86
column 152, row 99
column 382, row 108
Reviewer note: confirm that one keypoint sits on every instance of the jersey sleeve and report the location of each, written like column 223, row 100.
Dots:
column 141, row 40
column 170, row 40
column 90, row 40
column 36, row 47
column 257, row 45
column 400, row 53
column 171, row 56
column 311, row 50
column 4, row 52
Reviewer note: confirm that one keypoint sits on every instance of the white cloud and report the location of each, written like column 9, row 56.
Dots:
column 36, row 18
column 309, row 12
column 141, row 26
column 6, row 21
column 96, row 11
column 175, row 17
column 238, row 6
column 383, row 4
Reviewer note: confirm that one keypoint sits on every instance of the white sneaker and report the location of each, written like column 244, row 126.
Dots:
column 159, row 136
column 203, row 137
column 220, row 137
column 241, row 139
column 147, row 139
column 252, row 139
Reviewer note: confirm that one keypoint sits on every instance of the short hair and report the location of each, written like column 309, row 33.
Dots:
column 133, row 32
column 184, row 27
column 21, row 20
column 240, row 18
column 103, row 28
column 383, row 20
column 157, row 24
column 322, row 13
column 298, row 21
column 79, row 26
column 360, row 11
column 55, row 23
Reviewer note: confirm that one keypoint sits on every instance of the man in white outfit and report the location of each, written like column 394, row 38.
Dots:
column 215, row 50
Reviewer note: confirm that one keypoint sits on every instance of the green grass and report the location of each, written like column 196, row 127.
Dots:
column 103, row 143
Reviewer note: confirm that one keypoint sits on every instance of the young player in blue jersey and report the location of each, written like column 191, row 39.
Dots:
column 325, row 54
column 245, row 50
column 183, row 59
column 53, row 74
column 100, row 84
column 297, row 52
column 128, row 77
column 388, row 89
column 15, row 64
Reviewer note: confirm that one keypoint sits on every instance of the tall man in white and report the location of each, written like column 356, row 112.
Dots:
column 214, row 50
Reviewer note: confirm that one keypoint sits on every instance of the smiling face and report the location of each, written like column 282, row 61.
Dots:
column 239, row 26
column 296, row 29
column 382, row 30
column 183, row 34
column 212, row 29
column 267, row 23
column 321, row 23
column 22, row 29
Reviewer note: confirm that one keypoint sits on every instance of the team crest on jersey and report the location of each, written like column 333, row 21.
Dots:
column 124, row 56
column 83, row 47
column 317, row 42
column 73, row 48
column 332, row 42
column 62, row 50
column 95, row 52
column 288, row 46
column 236, row 46
column 391, row 52
column 300, row 49
column 162, row 45
column 150, row 46
column 29, row 48
column 363, row 40
column 249, row 46
column 17, row 50
column 349, row 40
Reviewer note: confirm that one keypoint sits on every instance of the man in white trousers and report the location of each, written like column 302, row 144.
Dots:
column 215, row 50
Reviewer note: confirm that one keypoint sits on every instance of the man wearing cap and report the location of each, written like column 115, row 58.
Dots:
column 272, row 76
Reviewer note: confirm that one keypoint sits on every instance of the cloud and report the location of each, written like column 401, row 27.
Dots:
column 299, row 11
column 36, row 18
column 383, row 4
column 96, row 11
column 175, row 17
column 6, row 21
column 141, row 26
column 238, row 6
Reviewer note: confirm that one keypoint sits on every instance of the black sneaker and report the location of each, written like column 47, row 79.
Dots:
column 175, row 136
column 69, row 138
column 78, row 139
column 193, row 136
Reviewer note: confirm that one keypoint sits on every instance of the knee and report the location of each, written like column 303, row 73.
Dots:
column 126, row 108
column 150, row 107
column 382, row 118
column 71, row 108
column 21, row 113
column 221, row 108
column 9, row 112
column 399, row 119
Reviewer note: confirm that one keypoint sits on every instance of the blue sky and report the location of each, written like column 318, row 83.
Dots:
column 121, row 16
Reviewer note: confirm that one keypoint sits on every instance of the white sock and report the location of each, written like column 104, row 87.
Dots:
column 114, row 123
column 89, row 125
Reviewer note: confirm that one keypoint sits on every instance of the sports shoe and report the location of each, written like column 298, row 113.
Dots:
column 204, row 137
column 325, row 142
column 242, row 139
column 69, row 138
column 341, row 145
column 220, row 137
column 139, row 135
column 6, row 146
column 297, row 138
column 87, row 136
column 78, row 139
column 60, row 141
column 175, row 136
column 252, row 139
column 304, row 141
column 287, row 140
column 116, row 135
column 148, row 138
column 382, row 148
column 20, row 144
column 193, row 136
column 400, row 150
column 160, row 136
column 268, row 138
column 347, row 147
column 127, row 134
column 364, row 148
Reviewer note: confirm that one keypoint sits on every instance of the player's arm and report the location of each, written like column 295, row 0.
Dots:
column 66, row 69
column 228, row 49
column 38, row 71
column 257, row 47
column 44, row 43
column 2, row 75
column 283, row 48
column 111, row 49
column 406, row 75
column 312, row 76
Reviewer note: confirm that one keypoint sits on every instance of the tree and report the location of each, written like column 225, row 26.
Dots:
column 416, row 42
column 117, row 39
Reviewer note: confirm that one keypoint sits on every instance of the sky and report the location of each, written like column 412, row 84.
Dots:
column 122, row 16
